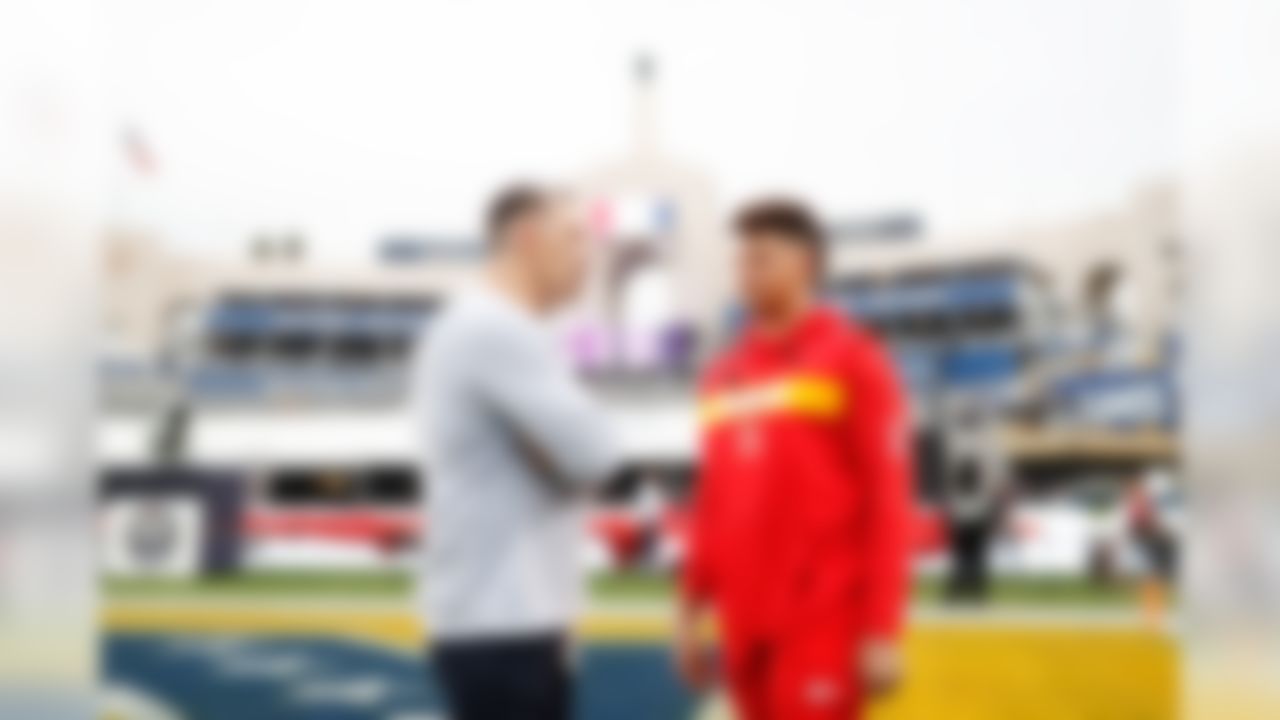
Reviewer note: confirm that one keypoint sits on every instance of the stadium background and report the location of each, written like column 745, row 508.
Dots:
column 261, row 490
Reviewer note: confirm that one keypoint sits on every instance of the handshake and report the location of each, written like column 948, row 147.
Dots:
column 798, row 526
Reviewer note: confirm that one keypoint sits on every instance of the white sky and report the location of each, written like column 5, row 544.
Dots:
column 350, row 119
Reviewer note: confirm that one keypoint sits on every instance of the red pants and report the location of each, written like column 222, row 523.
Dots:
column 804, row 674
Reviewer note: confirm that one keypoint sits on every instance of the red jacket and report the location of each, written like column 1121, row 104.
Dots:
column 802, row 509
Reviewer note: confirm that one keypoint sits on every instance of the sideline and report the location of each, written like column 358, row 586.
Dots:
column 632, row 621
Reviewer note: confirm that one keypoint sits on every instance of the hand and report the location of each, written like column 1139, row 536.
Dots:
column 881, row 667
column 692, row 656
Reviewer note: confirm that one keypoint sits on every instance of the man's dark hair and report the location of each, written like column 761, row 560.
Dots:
column 786, row 219
column 511, row 204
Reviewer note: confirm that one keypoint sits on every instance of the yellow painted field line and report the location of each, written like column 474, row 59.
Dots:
column 403, row 629
column 382, row 622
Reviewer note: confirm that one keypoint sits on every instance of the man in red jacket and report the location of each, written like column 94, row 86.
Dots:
column 799, row 536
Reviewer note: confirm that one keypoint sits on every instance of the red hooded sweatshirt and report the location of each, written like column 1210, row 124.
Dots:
column 802, row 510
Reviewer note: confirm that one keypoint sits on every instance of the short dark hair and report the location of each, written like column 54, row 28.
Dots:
column 788, row 219
column 512, row 203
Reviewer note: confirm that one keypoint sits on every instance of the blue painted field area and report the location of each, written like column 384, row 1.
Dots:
column 255, row 677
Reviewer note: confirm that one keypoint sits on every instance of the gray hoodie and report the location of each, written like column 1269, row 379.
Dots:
column 513, row 443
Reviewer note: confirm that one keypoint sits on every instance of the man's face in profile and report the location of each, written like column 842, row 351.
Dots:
column 561, row 257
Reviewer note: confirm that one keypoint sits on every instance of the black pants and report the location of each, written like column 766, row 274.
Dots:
column 507, row 678
column 969, row 572
column 1160, row 550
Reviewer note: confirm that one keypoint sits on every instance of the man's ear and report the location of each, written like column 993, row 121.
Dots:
column 818, row 271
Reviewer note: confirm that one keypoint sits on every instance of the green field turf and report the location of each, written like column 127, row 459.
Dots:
column 1038, row 592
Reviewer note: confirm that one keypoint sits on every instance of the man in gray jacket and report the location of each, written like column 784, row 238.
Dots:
column 513, row 444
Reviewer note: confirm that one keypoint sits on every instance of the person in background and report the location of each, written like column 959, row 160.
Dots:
column 976, row 493
column 799, row 538
column 513, row 443
column 1150, row 506
column 971, row 521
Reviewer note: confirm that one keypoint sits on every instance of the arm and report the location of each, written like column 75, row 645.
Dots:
column 696, row 585
column 696, row 578
column 548, row 412
column 883, row 458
